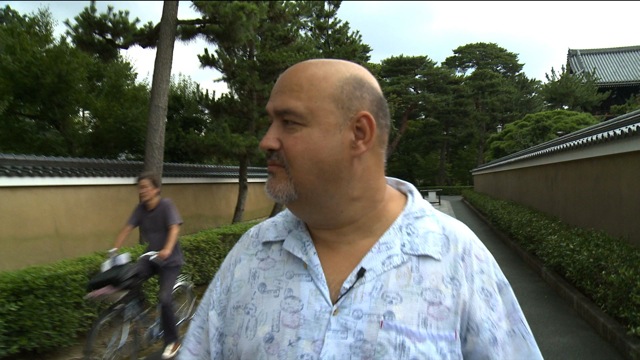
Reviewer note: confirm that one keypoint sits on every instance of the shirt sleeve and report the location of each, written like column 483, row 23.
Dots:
column 172, row 213
column 134, row 219
column 205, row 337
column 494, row 326
column 196, row 343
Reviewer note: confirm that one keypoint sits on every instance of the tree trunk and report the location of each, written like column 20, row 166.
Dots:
column 242, row 188
column 403, row 127
column 442, row 165
column 154, row 147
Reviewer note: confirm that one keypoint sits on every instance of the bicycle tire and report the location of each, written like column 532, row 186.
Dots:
column 184, row 300
column 111, row 337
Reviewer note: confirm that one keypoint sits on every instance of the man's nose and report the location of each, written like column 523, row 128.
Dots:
column 269, row 141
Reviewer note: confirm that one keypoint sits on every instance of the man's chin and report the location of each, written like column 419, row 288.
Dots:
column 280, row 193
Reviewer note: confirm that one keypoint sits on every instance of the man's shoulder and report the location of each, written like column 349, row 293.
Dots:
column 166, row 201
column 275, row 228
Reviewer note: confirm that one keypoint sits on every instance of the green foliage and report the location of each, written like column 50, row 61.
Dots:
column 632, row 104
column 329, row 36
column 576, row 92
column 205, row 251
column 404, row 82
column 603, row 268
column 41, row 84
column 114, row 131
column 58, row 100
column 497, row 90
column 427, row 107
column 106, row 33
column 187, row 135
column 536, row 129
column 484, row 56
column 416, row 157
column 43, row 307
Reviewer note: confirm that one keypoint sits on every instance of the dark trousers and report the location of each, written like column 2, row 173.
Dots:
column 167, row 278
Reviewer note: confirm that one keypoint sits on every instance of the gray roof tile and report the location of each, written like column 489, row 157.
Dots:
column 613, row 66
column 13, row 165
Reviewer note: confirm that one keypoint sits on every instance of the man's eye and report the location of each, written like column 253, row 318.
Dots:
column 288, row 122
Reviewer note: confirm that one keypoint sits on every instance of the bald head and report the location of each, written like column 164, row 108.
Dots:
column 334, row 70
column 351, row 87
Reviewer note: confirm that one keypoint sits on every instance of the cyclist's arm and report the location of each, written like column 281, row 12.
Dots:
column 172, row 239
column 122, row 236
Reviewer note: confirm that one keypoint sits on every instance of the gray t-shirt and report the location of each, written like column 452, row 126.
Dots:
column 154, row 227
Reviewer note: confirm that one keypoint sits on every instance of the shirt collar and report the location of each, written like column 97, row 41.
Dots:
column 418, row 227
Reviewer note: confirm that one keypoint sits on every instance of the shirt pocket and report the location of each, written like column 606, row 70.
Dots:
column 402, row 341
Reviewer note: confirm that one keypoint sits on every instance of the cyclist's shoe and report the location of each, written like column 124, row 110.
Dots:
column 171, row 350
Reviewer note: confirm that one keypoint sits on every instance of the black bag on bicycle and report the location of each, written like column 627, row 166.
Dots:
column 121, row 276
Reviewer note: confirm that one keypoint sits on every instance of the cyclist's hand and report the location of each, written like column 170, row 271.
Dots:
column 164, row 254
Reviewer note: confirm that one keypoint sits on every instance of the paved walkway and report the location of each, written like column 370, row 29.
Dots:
column 560, row 332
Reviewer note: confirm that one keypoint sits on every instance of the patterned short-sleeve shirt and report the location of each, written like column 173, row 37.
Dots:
column 431, row 290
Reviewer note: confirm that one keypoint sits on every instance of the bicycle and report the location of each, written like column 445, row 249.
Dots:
column 128, row 325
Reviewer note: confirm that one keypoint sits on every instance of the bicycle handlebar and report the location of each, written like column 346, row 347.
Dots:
column 153, row 256
column 115, row 259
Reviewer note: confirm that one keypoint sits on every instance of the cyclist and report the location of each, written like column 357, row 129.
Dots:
column 159, row 222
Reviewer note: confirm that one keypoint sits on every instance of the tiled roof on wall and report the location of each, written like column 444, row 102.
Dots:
column 610, row 131
column 44, row 166
column 613, row 66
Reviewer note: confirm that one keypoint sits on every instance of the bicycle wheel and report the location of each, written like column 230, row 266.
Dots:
column 111, row 337
column 183, row 302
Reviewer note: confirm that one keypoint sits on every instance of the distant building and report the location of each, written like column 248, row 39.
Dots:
column 618, row 71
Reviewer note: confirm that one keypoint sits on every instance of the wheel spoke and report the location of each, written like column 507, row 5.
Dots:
column 183, row 302
column 110, row 338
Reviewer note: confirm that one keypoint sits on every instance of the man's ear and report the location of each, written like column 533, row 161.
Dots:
column 364, row 129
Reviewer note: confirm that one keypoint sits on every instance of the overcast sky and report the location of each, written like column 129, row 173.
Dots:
column 539, row 32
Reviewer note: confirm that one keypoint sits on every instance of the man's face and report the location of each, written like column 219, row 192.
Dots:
column 305, row 141
column 146, row 190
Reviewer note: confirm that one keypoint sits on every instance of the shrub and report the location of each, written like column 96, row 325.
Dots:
column 43, row 307
column 603, row 268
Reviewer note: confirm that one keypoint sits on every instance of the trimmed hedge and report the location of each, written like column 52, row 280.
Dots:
column 604, row 268
column 42, row 307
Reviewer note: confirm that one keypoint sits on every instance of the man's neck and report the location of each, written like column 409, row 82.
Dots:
column 152, row 203
column 342, row 247
column 358, row 223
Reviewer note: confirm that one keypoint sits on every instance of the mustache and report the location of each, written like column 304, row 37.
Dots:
column 276, row 157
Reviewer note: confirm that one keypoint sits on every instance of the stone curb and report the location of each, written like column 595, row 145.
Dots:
column 605, row 325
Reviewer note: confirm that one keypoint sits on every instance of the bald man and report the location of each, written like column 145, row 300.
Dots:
column 359, row 265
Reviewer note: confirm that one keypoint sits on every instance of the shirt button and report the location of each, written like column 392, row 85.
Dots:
column 335, row 311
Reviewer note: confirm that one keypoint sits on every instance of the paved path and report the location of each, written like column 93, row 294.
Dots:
column 560, row 332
